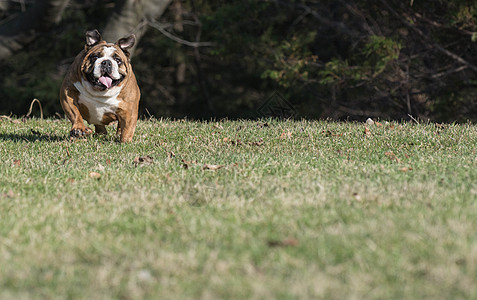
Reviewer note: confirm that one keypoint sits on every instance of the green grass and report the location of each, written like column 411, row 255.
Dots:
column 300, row 209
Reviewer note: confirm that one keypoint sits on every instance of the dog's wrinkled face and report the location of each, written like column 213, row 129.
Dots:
column 106, row 65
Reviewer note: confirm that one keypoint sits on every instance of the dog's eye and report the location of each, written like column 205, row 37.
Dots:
column 94, row 57
column 118, row 60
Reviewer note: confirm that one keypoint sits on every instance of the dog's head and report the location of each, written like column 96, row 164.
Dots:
column 106, row 65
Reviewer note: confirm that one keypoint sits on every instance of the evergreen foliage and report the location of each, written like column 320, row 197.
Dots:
column 338, row 59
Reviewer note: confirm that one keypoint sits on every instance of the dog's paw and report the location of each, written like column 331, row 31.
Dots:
column 79, row 133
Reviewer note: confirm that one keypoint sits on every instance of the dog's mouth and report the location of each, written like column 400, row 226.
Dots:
column 104, row 82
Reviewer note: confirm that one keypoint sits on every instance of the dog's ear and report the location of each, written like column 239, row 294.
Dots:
column 126, row 43
column 92, row 37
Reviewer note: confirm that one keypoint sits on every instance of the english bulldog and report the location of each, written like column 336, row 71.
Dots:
column 100, row 87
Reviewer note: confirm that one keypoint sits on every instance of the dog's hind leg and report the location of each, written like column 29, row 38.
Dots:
column 100, row 130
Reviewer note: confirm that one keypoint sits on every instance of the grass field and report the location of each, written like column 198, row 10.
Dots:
column 239, row 210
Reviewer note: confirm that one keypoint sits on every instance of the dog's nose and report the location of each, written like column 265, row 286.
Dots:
column 106, row 65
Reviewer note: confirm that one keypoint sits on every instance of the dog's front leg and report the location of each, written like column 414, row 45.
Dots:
column 69, row 102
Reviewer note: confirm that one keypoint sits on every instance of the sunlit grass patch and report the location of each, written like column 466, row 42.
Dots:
column 292, row 209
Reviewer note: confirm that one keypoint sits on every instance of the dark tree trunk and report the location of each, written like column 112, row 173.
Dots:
column 128, row 18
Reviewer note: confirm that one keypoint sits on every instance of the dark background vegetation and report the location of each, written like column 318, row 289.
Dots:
column 200, row 59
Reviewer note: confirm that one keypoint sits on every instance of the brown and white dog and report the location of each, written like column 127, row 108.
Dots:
column 100, row 87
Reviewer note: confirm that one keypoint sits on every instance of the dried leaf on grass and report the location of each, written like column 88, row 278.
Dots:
column 9, row 194
column 357, row 196
column 186, row 164
column 285, row 135
column 212, row 167
column 143, row 161
column 94, row 175
column 391, row 126
column 258, row 143
column 371, row 122
column 288, row 242
column 17, row 162
column 170, row 156
column 392, row 156
column 367, row 132
column 237, row 142
column 329, row 133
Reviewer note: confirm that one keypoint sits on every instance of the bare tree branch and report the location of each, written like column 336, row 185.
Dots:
column 338, row 26
column 426, row 38
column 161, row 29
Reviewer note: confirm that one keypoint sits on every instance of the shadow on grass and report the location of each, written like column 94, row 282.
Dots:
column 33, row 136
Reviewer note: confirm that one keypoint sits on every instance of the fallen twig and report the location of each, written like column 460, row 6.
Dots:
column 412, row 118
column 31, row 107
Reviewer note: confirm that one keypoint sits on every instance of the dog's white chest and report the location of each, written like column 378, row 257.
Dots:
column 98, row 104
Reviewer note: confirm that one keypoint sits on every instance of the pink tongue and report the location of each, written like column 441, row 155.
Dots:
column 106, row 81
